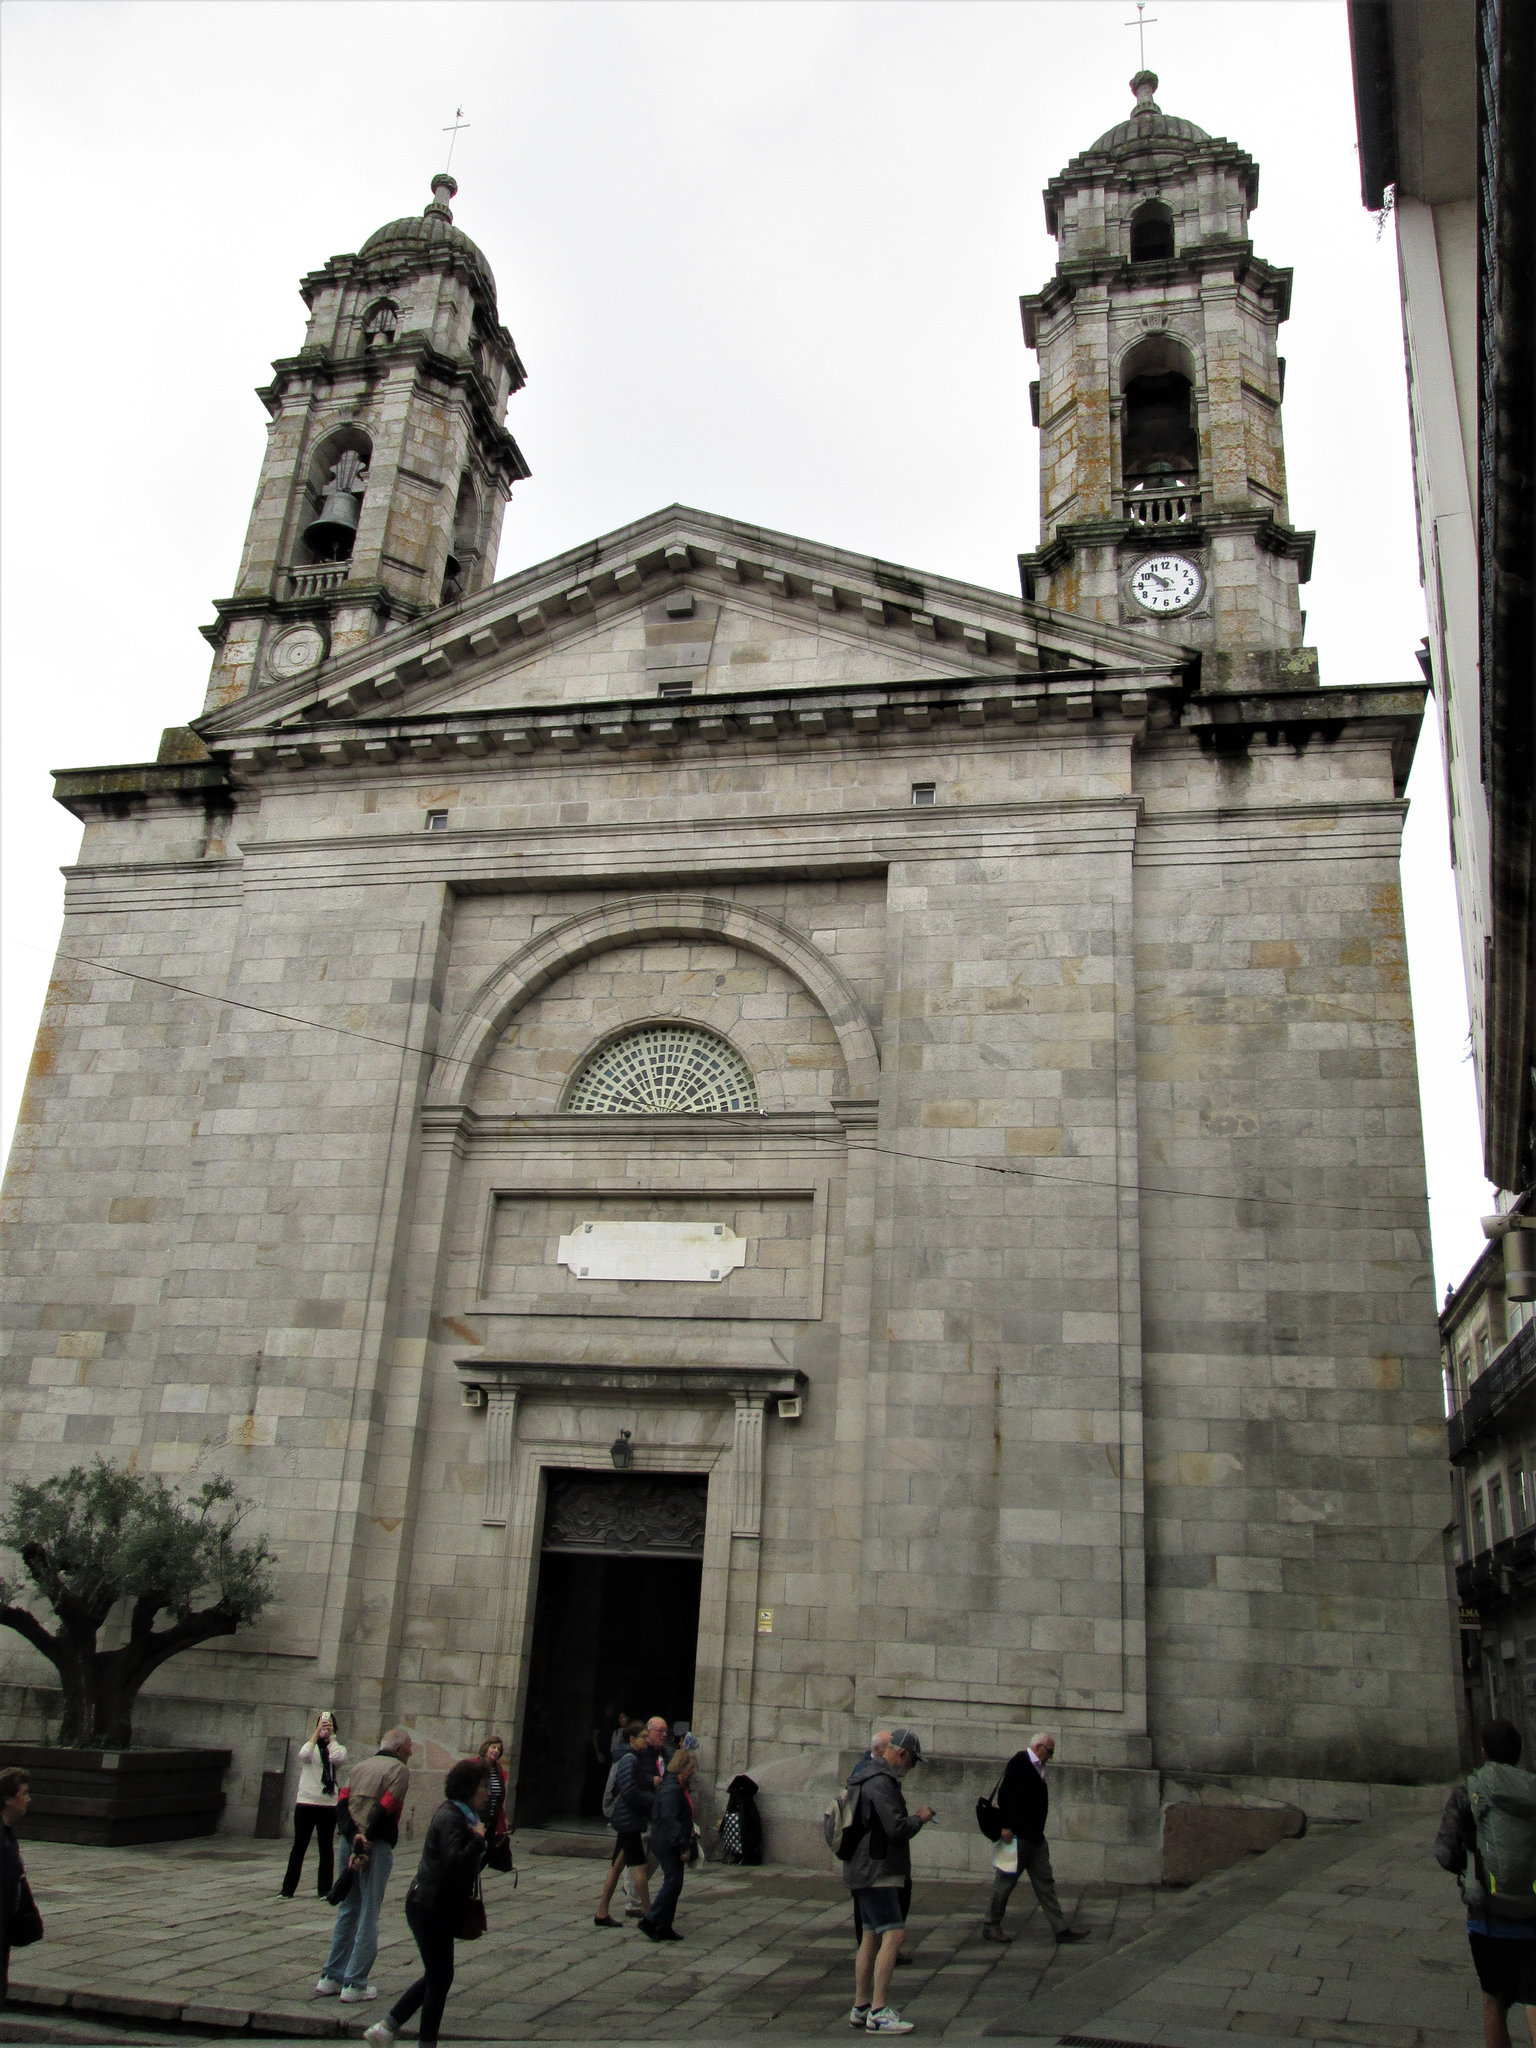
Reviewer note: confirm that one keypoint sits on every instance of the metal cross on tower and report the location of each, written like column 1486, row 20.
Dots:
column 459, row 122
column 1141, row 24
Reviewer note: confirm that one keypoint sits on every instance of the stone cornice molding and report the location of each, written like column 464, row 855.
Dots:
column 631, row 921
column 842, row 712
column 627, row 1383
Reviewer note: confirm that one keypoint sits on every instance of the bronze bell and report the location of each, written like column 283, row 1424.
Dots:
column 330, row 536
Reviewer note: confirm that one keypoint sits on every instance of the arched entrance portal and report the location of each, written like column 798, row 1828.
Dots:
column 616, row 1624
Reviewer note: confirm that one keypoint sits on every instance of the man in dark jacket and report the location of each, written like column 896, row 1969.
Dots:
column 881, row 1863
column 1024, row 1800
column 634, row 1793
column 1503, row 1944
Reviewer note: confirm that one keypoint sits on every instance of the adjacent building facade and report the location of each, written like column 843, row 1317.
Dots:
column 1488, row 1356
column 1443, row 90
column 726, row 1127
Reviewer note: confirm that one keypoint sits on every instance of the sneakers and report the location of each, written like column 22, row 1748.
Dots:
column 885, row 2019
column 358, row 1994
column 381, row 2034
column 1073, row 1934
column 857, row 2016
column 991, row 1933
column 327, row 1988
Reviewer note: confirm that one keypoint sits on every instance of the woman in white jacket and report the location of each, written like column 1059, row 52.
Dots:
column 314, row 1813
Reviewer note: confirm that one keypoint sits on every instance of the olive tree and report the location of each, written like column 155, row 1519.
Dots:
column 96, row 1535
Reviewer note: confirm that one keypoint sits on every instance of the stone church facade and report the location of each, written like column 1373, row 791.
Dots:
column 731, row 1120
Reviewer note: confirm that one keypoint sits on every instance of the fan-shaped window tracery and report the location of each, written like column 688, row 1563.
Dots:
column 664, row 1070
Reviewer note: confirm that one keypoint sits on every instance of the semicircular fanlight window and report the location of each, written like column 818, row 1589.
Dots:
column 664, row 1070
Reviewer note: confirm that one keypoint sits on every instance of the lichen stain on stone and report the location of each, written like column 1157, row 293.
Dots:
column 458, row 1329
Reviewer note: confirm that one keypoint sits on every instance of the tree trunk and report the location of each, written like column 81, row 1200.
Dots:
column 115, row 1678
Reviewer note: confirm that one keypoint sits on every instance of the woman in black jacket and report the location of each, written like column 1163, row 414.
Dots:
column 451, row 1856
column 671, row 1842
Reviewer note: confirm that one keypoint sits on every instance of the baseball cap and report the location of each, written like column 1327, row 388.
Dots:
column 903, row 1738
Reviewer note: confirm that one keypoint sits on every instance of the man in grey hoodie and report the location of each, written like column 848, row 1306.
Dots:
column 880, row 1865
column 1489, row 1824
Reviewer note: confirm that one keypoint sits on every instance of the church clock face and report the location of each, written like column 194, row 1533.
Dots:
column 1166, row 583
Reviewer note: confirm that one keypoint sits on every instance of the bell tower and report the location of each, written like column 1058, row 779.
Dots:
column 388, row 465
column 1162, row 464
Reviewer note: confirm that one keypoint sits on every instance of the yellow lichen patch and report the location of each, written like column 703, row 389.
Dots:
column 1033, row 1141
column 949, row 1116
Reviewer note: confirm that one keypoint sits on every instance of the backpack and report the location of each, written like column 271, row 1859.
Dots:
column 842, row 1825
column 1504, row 1850
column 611, row 1789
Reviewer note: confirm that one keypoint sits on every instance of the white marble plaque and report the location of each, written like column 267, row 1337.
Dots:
column 652, row 1251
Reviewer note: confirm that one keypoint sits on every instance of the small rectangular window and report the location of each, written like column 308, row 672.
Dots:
column 681, row 688
column 437, row 821
column 924, row 793
column 1496, row 1510
column 1479, row 1525
column 1520, row 1497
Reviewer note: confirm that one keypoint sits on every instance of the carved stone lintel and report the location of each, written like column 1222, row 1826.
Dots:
column 500, row 1428
column 644, row 1517
column 747, row 1507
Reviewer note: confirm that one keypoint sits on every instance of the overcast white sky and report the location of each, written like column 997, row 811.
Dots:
column 761, row 259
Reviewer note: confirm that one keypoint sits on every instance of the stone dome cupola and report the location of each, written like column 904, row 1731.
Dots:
column 1209, row 185
column 431, row 234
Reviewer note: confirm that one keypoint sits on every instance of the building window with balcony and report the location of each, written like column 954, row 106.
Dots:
column 1464, row 1371
column 1482, row 1352
column 1496, row 1514
column 1479, row 1525
column 1520, row 1498
column 1448, row 1374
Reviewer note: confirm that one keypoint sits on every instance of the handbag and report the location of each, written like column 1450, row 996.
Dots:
column 26, row 1921
column 988, row 1819
column 498, row 1854
column 471, row 1921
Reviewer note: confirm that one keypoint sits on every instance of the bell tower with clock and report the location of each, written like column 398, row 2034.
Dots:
column 1162, row 464
column 388, row 462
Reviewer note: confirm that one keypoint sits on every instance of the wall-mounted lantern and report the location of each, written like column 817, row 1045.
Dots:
column 1519, row 1235
column 622, row 1452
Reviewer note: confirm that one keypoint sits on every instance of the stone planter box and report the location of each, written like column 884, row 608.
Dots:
column 112, row 1797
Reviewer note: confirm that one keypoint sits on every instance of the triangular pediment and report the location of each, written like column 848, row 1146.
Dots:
column 686, row 603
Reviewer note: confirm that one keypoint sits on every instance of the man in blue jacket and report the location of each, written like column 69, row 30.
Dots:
column 634, row 1793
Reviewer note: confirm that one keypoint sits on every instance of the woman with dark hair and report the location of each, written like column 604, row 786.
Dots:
column 671, row 1842
column 452, row 1853
column 498, row 1845
column 314, row 1810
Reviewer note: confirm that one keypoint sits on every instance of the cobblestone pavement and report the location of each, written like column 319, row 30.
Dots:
column 1351, row 1935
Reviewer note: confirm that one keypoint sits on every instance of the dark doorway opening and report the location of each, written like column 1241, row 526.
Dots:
column 616, row 1624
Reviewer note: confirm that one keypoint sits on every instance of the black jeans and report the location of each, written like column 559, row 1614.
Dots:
column 307, row 1821
column 434, row 1937
column 664, row 1906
